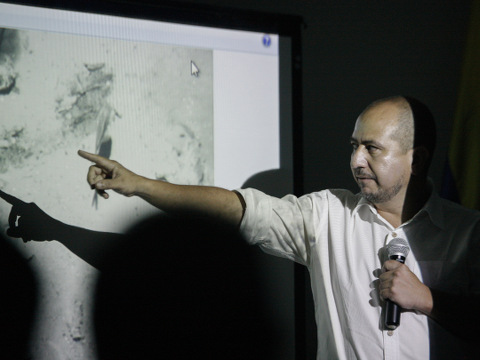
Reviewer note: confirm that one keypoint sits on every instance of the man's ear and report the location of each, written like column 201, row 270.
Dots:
column 420, row 160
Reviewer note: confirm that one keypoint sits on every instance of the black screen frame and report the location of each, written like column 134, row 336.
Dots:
column 285, row 25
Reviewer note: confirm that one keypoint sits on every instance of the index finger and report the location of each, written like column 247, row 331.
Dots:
column 97, row 159
column 12, row 200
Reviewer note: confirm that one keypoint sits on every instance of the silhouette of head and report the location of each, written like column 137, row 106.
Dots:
column 181, row 289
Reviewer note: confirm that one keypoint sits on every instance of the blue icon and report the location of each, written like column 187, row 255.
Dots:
column 267, row 40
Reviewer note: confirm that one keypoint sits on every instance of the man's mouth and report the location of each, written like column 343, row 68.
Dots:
column 363, row 181
column 364, row 177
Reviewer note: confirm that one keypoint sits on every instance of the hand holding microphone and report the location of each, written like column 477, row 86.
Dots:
column 401, row 288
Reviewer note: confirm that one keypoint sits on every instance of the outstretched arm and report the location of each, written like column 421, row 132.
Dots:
column 207, row 201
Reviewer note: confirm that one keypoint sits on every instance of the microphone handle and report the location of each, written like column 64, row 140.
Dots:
column 392, row 310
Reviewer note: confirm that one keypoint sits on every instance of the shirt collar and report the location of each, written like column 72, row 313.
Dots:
column 364, row 203
column 433, row 207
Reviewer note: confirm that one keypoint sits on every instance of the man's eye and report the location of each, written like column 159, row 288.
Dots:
column 371, row 148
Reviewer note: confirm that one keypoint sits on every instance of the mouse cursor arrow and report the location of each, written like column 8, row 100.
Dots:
column 195, row 70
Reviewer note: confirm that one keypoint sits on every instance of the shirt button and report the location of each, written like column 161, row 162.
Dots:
column 394, row 234
column 390, row 332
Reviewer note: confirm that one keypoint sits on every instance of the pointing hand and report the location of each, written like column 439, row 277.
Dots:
column 108, row 174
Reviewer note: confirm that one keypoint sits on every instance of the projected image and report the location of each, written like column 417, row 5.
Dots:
column 146, row 105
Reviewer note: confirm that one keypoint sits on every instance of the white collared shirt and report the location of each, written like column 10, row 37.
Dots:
column 340, row 237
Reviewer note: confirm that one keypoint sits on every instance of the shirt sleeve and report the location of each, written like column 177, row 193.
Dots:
column 281, row 227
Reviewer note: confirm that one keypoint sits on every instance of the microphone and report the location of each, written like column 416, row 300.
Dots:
column 397, row 249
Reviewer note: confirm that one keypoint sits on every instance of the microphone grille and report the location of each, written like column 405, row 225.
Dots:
column 398, row 246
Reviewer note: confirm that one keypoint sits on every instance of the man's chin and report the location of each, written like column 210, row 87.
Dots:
column 370, row 196
column 365, row 190
column 378, row 197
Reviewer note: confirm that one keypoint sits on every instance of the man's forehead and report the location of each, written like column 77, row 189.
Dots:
column 384, row 112
column 375, row 124
column 381, row 116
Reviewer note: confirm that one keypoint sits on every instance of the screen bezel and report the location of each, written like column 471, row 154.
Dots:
column 288, row 27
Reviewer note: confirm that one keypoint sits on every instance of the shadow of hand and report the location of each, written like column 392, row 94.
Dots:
column 28, row 222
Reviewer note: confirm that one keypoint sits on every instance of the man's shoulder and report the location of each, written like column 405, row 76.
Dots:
column 457, row 211
column 339, row 197
column 332, row 198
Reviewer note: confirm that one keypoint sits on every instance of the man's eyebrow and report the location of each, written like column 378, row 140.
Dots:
column 366, row 142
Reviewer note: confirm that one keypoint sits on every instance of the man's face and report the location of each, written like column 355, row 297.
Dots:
column 380, row 166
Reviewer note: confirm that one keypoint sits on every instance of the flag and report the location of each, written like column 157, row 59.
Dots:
column 461, row 181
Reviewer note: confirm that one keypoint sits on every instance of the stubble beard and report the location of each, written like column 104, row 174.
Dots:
column 382, row 195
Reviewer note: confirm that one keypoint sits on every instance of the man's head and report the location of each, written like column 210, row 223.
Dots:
column 392, row 141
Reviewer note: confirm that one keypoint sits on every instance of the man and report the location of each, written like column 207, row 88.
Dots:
column 341, row 238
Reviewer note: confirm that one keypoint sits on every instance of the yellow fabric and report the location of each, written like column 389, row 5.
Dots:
column 464, row 152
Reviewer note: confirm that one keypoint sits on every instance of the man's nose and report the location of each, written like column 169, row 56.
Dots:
column 358, row 159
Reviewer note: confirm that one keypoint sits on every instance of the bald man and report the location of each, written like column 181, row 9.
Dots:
column 341, row 238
